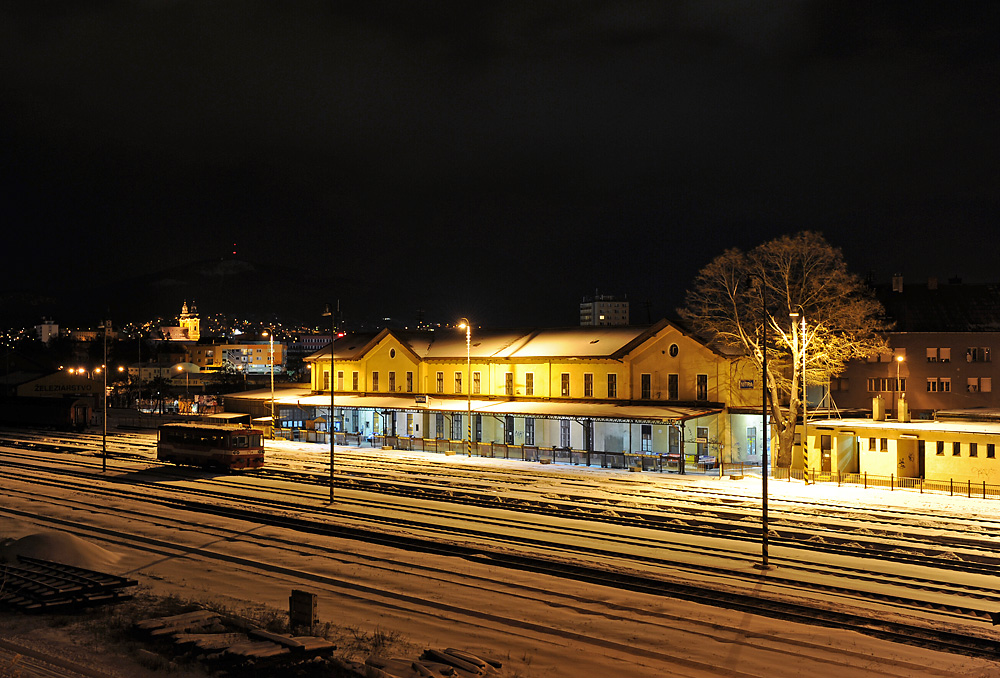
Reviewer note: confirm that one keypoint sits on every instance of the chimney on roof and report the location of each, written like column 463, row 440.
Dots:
column 932, row 283
column 897, row 282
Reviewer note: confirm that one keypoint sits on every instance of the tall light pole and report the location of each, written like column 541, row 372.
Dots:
column 270, row 337
column 805, row 397
column 465, row 324
column 763, row 411
column 333, row 336
column 896, row 388
column 104, row 368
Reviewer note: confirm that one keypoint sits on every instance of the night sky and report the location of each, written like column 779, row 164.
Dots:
column 496, row 161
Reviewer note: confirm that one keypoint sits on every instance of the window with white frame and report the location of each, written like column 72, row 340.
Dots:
column 458, row 381
column 647, row 438
column 612, row 385
column 564, row 381
column 529, row 383
column 409, row 382
column 977, row 354
column 392, row 382
column 944, row 384
column 932, row 384
column 374, row 381
column 702, row 433
column 354, row 382
column 508, row 383
column 751, row 440
column 477, row 383
column 457, row 430
column 439, row 382
column 340, row 380
column 564, row 433
column 529, row 431
column 588, row 385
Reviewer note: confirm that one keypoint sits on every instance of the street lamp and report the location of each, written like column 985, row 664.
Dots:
column 805, row 396
column 763, row 411
column 467, row 326
column 895, row 387
column 187, row 377
column 270, row 339
column 105, row 325
column 329, row 311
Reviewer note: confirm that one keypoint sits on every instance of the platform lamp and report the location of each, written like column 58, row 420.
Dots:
column 467, row 326
column 759, row 279
column 329, row 311
column 805, row 398
column 105, row 324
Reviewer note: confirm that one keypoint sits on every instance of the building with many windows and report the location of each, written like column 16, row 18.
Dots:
column 651, row 390
column 604, row 310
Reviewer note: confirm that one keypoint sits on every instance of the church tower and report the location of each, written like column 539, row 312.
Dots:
column 189, row 321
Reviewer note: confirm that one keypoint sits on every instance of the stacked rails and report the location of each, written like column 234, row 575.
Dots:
column 35, row 585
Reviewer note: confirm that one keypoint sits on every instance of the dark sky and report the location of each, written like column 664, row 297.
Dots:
column 493, row 160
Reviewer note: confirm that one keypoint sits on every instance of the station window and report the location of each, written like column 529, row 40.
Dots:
column 612, row 385
column 645, row 386
column 973, row 449
column 940, row 448
column 990, row 450
column 529, row 383
column 956, row 449
column 588, row 385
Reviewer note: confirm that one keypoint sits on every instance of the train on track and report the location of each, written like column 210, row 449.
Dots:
column 218, row 446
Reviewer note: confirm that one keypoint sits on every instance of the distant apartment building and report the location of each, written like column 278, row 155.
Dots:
column 47, row 330
column 252, row 357
column 604, row 310
column 940, row 355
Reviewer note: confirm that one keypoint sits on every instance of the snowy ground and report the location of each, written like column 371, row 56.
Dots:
column 555, row 636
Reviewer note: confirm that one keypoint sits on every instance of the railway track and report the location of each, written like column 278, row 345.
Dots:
column 531, row 556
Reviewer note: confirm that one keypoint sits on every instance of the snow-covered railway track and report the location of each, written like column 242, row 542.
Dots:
column 542, row 552
column 731, row 526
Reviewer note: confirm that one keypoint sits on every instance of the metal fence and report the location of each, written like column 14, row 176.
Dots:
column 967, row 488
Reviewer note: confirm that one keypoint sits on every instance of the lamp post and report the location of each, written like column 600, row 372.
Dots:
column 270, row 341
column 187, row 379
column 805, row 397
column 333, row 336
column 896, row 388
column 467, row 326
column 763, row 565
column 105, row 324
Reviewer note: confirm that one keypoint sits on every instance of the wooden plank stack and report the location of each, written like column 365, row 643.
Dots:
column 36, row 585
column 225, row 645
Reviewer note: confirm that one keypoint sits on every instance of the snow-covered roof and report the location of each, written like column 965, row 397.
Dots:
column 924, row 426
column 449, row 344
column 560, row 409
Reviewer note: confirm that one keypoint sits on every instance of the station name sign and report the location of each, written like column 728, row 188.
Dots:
column 746, row 383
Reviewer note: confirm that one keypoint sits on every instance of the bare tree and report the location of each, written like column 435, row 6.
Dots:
column 737, row 292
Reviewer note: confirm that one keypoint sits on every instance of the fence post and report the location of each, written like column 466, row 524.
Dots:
column 866, row 480
column 840, row 477
column 984, row 489
column 892, row 482
column 970, row 487
column 921, row 486
column 951, row 487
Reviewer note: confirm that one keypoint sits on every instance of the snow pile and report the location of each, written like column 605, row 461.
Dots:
column 59, row 547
